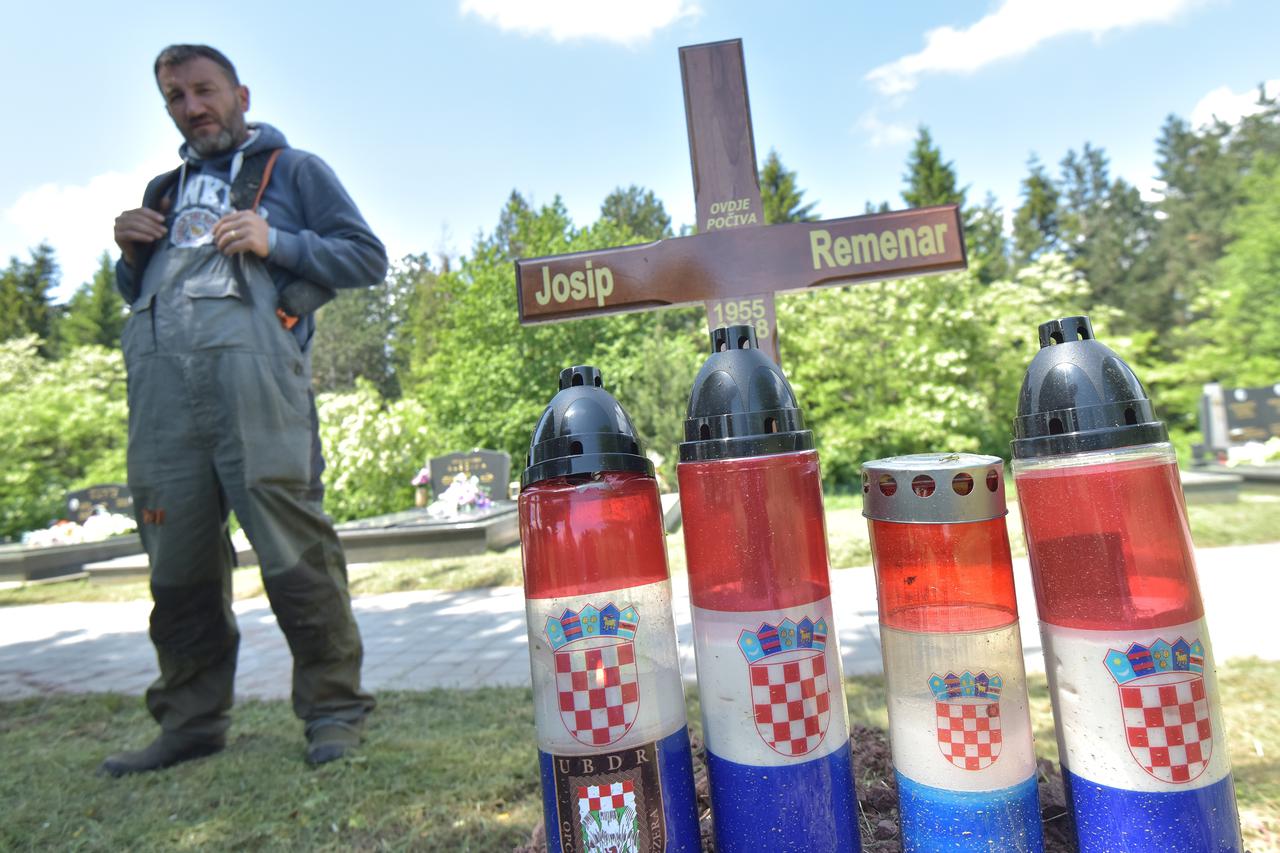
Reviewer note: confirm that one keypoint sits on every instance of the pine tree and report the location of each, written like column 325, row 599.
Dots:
column 1035, row 223
column 515, row 212
column 779, row 195
column 25, row 298
column 1106, row 228
column 929, row 180
column 638, row 210
column 95, row 313
column 988, row 246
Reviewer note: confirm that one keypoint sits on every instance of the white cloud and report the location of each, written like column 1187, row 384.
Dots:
column 76, row 219
column 881, row 133
column 1225, row 105
column 1014, row 29
column 622, row 21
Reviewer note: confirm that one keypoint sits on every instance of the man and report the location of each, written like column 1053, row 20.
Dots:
column 222, row 265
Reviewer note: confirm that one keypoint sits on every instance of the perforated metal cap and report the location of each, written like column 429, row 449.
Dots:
column 934, row 488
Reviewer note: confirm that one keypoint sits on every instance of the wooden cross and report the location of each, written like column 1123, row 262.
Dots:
column 733, row 264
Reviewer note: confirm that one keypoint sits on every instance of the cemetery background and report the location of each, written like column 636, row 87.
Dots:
column 1185, row 289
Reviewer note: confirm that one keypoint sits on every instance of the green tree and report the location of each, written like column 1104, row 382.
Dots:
column 95, row 314
column 1035, row 223
column 921, row 364
column 371, row 333
column 639, row 211
column 63, row 424
column 505, row 236
column 1105, row 228
column 26, row 290
column 1202, row 173
column 415, row 292
column 1240, row 323
column 486, row 379
column 929, row 179
column 779, row 195
column 372, row 448
column 351, row 342
column 988, row 246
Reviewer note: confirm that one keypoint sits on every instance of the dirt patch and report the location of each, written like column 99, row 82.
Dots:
column 877, row 800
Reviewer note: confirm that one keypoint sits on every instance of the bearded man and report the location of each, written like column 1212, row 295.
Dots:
column 223, row 266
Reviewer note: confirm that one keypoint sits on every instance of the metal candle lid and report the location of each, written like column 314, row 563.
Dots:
column 934, row 488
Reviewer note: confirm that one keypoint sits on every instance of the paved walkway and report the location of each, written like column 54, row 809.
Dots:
column 419, row 640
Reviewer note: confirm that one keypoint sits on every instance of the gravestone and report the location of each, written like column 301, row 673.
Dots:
column 491, row 467
column 1253, row 414
column 1230, row 417
column 737, row 263
column 111, row 497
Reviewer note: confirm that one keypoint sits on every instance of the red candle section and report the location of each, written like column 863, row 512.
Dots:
column 944, row 577
column 1110, row 545
column 607, row 542
column 770, row 547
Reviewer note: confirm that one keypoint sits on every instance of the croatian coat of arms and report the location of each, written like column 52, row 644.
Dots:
column 607, row 818
column 1165, row 707
column 597, row 684
column 787, row 666
column 967, row 711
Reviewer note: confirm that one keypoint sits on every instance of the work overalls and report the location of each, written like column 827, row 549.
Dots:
column 220, row 418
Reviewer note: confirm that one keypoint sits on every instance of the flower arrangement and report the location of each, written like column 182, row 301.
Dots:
column 97, row 527
column 422, row 478
column 463, row 495
column 1254, row 452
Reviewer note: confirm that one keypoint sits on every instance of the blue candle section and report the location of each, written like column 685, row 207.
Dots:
column 679, row 802
column 804, row 806
column 936, row 819
column 1113, row 820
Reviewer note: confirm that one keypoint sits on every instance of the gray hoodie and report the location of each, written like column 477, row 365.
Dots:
column 318, row 236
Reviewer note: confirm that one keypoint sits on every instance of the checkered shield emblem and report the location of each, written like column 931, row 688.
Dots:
column 607, row 818
column 598, row 689
column 791, row 701
column 969, row 734
column 1166, row 722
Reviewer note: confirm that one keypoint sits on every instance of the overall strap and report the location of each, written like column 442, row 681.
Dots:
column 252, row 179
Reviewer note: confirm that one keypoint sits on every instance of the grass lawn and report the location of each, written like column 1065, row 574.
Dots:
column 1255, row 518
column 445, row 770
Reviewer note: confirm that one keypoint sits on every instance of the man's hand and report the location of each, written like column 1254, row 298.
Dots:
column 141, row 225
column 242, row 231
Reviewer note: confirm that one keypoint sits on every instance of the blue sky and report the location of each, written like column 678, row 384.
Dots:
column 432, row 112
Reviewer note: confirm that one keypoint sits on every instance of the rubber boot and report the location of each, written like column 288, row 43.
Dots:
column 329, row 740
column 165, row 751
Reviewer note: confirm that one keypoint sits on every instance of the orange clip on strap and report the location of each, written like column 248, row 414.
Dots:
column 286, row 320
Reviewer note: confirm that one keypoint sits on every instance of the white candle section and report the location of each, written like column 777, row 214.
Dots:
column 910, row 660
column 724, row 684
column 1086, row 704
column 661, row 693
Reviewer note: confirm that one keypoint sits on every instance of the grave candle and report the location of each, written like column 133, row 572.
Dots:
column 1141, row 740
column 957, row 692
column 608, row 699
column 769, row 674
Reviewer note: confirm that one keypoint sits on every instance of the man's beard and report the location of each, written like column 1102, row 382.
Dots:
column 232, row 132
column 212, row 146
